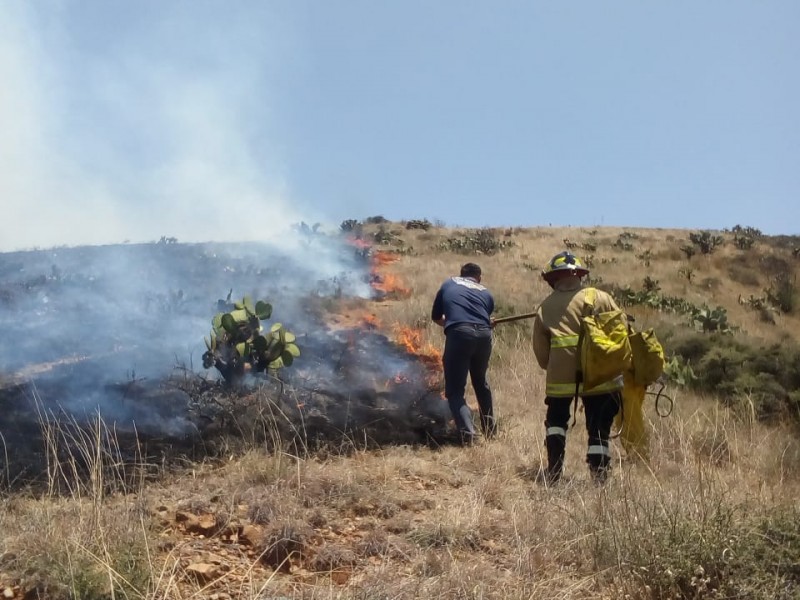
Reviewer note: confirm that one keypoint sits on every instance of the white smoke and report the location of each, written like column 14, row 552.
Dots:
column 134, row 122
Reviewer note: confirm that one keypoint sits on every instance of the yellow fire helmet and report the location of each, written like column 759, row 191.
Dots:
column 564, row 261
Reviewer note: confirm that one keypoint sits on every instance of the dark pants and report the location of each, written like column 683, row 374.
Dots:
column 467, row 349
column 600, row 411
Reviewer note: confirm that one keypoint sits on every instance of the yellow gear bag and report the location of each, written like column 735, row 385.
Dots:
column 603, row 346
column 648, row 357
column 630, row 421
column 647, row 365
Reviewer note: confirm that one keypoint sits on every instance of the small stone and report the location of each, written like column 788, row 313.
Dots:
column 204, row 572
column 250, row 535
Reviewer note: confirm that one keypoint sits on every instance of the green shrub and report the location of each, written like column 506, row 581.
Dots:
column 715, row 554
column 764, row 381
column 692, row 346
column 760, row 393
column 720, row 365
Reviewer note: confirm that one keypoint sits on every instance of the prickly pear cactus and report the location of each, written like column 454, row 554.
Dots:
column 238, row 342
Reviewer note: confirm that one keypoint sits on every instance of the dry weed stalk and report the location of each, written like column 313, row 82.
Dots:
column 448, row 522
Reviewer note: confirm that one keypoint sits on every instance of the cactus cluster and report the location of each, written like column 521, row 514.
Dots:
column 350, row 225
column 745, row 237
column 385, row 236
column 646, row 257
column 623, row 244
column 477, row 241
column 782, row 292
column 423, row 224
column 709, row 320
column 587, row 246
column 650, row 295
column 679, row 371
column 687, row 273
column 238, row 340
column 706, row 241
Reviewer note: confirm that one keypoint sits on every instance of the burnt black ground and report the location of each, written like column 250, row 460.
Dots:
column 114, row 333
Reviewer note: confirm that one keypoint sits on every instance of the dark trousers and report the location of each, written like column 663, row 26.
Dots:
column 600, row 411
column 467, row 349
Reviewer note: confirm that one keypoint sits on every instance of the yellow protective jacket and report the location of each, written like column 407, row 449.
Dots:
column 556, row 328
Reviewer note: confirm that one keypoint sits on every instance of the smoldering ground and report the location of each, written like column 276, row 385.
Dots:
column 114, row 334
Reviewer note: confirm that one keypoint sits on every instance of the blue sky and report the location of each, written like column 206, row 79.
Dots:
column 219, row 120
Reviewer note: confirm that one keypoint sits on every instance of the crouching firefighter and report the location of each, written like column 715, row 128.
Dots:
column 557, row 334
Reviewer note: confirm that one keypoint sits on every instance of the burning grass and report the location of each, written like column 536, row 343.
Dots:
column 714, row 513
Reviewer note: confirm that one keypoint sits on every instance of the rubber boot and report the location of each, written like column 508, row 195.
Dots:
column 556, row 447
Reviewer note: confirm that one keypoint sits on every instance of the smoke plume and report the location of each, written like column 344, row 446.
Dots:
column 130, row 122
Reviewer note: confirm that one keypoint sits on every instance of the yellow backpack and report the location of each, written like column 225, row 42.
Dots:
column 648, row 357
column 603, row 345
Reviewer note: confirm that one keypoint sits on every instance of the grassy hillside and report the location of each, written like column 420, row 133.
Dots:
column 714, row 514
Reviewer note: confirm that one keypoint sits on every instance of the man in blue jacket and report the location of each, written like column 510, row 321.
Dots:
column 463, row 307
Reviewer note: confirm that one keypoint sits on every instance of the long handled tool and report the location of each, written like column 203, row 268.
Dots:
column 515, row 318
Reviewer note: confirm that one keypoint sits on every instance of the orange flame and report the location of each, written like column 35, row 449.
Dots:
column 358, row 243
column 391, row 285
column 380, row 258
column 411, row 340
column 386, row 283
column 370, row 321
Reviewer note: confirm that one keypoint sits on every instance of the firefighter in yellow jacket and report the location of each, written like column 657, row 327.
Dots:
column 556, row 330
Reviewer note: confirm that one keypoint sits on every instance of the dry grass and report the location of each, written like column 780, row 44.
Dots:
column 699, row 520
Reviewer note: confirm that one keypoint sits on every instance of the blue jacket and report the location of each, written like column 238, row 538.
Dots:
column 461, row 300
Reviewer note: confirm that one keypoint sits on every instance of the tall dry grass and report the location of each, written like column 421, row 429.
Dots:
column 713, row 514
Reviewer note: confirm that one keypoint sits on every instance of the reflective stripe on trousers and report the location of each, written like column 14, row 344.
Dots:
column 598, row 449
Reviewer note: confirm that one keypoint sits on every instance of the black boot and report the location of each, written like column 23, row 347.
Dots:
column 556, row 446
